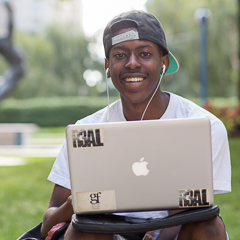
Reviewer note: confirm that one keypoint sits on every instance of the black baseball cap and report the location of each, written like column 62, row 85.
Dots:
column 148, row 28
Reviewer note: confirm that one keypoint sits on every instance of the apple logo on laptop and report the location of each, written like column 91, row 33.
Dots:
column 140, row 168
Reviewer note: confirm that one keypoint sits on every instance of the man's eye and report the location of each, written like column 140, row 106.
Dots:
column 120, row 55
column 145, row 54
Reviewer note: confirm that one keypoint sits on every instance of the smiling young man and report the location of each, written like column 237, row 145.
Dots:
column 135, row 67
column 137, row 58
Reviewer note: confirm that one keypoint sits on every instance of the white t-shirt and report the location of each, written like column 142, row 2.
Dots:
column 178, row 107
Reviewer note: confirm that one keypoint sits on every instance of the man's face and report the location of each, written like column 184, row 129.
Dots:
column 135, row 68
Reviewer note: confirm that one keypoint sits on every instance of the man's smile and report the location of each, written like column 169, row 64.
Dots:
column 134, row 79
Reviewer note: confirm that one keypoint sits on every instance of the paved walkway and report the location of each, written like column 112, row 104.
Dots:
column 30, row 150
column 15, row 155
column 42, row 145
column 12, row 161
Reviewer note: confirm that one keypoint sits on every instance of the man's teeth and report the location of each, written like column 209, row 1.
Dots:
column 136, row 79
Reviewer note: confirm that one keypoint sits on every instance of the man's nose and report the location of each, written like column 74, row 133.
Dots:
column 132, row 62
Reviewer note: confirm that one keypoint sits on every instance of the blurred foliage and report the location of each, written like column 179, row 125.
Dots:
column 230, row 116
column 61, row 111
column 56, row 61
column 50, row 112
column 182, row 33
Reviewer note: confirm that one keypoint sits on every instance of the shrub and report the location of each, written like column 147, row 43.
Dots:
column 229, row 115
column 55, row 112
column 50, row 112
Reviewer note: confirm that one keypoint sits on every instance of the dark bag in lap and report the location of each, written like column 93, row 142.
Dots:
column 35, row 233
column 130, row 228
column 32, row 234
column 114, row 224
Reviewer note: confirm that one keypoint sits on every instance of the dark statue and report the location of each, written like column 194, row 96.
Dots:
column 13, row 56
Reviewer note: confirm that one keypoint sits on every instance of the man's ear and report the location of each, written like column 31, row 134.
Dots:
column 106, row 66
column 165, row 61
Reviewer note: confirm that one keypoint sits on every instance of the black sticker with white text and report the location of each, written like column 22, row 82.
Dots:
column 87, row 138
column 194, row 197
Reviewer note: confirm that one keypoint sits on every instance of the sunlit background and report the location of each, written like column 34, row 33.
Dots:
column 55, row 29
column 87, row 16
column 103, row 11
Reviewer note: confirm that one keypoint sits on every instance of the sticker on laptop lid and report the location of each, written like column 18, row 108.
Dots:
column 96, row 201
column 190, row 198
column 87, row 138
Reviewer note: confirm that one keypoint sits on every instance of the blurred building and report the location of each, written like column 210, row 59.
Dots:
column 34, row 15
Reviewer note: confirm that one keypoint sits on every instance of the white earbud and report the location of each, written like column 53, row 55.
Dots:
column 164, row 68
column 106, row 71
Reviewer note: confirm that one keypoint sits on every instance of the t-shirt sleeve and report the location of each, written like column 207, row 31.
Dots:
column 60, row 170
column 221, row 159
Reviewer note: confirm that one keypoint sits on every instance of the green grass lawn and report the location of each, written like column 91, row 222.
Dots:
column 229, row 202
column 24, row 196
column 25, row 192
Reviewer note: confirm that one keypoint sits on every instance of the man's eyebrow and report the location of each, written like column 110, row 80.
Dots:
column 138, row 47
column 119, row 47
column 144, row 46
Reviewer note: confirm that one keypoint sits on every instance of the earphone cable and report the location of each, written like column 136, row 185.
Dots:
column 152, row 96
column 107, row 96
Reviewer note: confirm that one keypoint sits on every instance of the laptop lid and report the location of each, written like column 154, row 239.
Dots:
column 140, row 165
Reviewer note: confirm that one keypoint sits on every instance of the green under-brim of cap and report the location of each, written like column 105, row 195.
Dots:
column 173, row 66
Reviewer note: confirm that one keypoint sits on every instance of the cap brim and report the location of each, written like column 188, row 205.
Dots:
column 173, row 66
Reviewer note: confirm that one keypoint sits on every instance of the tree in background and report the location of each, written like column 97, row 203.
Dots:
column 56, row 61
column 182, row 32
column 58, row 58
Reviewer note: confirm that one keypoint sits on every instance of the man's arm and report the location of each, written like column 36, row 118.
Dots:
column 59, row 209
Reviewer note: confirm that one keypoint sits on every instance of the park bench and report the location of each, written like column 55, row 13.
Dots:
column 16, row 133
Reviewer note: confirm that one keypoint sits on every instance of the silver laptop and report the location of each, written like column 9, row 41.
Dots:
column 140, row 165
